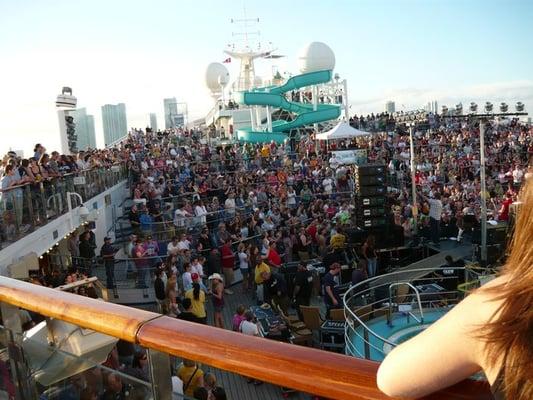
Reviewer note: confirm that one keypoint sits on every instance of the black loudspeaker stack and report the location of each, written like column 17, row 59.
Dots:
column 371, row 191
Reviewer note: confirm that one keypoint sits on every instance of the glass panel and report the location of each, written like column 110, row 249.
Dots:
column 7, row 377
column 24, row 208
column 84, row 362
column 11, row 209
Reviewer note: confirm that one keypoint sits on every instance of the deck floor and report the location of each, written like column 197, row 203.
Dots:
column 236, row 386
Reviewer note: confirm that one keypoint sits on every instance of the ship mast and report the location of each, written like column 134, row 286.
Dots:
column 245, row 52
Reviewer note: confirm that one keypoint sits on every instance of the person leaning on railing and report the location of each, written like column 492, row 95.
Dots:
column 491, row 330
column 11, row 195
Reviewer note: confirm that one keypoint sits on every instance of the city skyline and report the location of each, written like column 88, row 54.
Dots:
column 411, row 52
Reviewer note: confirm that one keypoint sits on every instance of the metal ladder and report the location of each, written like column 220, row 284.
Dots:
column 417, row 293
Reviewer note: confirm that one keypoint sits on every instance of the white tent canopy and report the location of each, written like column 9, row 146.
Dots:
column 341, row 131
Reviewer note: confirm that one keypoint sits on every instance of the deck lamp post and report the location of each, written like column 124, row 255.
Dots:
column 483, row 118
column 413, row 119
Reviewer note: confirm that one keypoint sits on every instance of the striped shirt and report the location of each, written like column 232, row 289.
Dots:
column 435, row 209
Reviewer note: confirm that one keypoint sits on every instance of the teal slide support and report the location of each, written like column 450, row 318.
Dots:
column 273, row 96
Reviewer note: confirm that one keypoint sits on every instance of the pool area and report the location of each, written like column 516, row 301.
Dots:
column 375, row 340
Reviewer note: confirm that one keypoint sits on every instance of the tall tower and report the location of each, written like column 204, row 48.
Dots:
column 66, row 103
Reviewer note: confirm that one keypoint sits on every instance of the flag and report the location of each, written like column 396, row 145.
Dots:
column 227, row 60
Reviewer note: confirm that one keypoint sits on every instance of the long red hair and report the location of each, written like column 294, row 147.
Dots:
column 509, row 334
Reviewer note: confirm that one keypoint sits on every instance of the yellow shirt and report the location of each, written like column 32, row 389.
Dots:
column 198, row 306
column 185, row 373
column 259, row 270
column 337, row 241
column 265, row 151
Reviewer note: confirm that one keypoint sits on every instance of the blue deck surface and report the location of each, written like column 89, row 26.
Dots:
column 401, row 329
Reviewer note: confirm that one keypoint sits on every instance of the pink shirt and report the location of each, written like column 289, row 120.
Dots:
column 236, row 323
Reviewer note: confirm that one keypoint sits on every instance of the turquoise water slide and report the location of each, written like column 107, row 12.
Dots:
column 273, row 96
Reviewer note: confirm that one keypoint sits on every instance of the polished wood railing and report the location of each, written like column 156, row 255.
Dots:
column 326, row 374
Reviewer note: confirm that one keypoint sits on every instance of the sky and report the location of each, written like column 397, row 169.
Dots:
column 139, row 52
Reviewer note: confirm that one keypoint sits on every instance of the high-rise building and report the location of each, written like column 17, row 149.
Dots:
column 86, row 136
column 390, row 107
column 153, row 122
column 90, row 128
column 114, row 122
column 171, row 110
column 432, row 107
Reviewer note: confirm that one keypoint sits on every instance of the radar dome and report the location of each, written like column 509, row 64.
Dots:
column 316, row 56
column 215, row 75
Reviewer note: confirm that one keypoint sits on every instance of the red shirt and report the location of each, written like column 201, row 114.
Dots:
column 228, row 258
column 274, row 258
column 504, row 216
column 312, row 232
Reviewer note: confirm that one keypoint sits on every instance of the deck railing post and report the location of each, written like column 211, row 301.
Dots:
column 13, row 338
column 160, row 375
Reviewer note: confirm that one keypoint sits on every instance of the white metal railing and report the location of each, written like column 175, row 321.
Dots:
column 417, row 293
column 360, row 305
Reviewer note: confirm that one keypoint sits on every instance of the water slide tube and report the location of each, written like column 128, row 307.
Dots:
column 273, row 96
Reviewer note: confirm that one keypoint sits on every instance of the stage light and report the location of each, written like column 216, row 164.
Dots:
column 488, row 107
column 473, row 107
column 504, row 107
column 444, row 110
column 519, row 106
column 459, row 109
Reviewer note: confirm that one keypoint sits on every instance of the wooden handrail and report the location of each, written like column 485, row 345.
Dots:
column 314, row 371
column 111, row 319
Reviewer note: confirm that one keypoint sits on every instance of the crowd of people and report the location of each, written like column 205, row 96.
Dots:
column 33, row 190
column 256, row 207
column 201, row 211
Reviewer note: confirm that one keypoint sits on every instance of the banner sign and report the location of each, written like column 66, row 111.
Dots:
column 349, row 157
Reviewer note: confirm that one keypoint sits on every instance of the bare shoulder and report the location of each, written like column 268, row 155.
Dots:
column 484, row 300
column 460, row 351
column 479, row 309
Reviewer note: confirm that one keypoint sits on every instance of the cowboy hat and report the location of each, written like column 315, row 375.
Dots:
column 216, row 276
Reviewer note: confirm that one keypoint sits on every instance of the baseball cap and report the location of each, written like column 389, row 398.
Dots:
column 107, row 238
column 195, row 276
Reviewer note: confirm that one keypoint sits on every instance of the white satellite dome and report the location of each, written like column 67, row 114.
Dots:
column 316, row 56
column 215, row 75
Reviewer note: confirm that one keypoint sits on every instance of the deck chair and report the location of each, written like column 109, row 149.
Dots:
column 364, row 312
column 313, row 320
column 292, row 323
column 381, row 312
column 336, row 314
column 312, row 317
column 402, row 293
